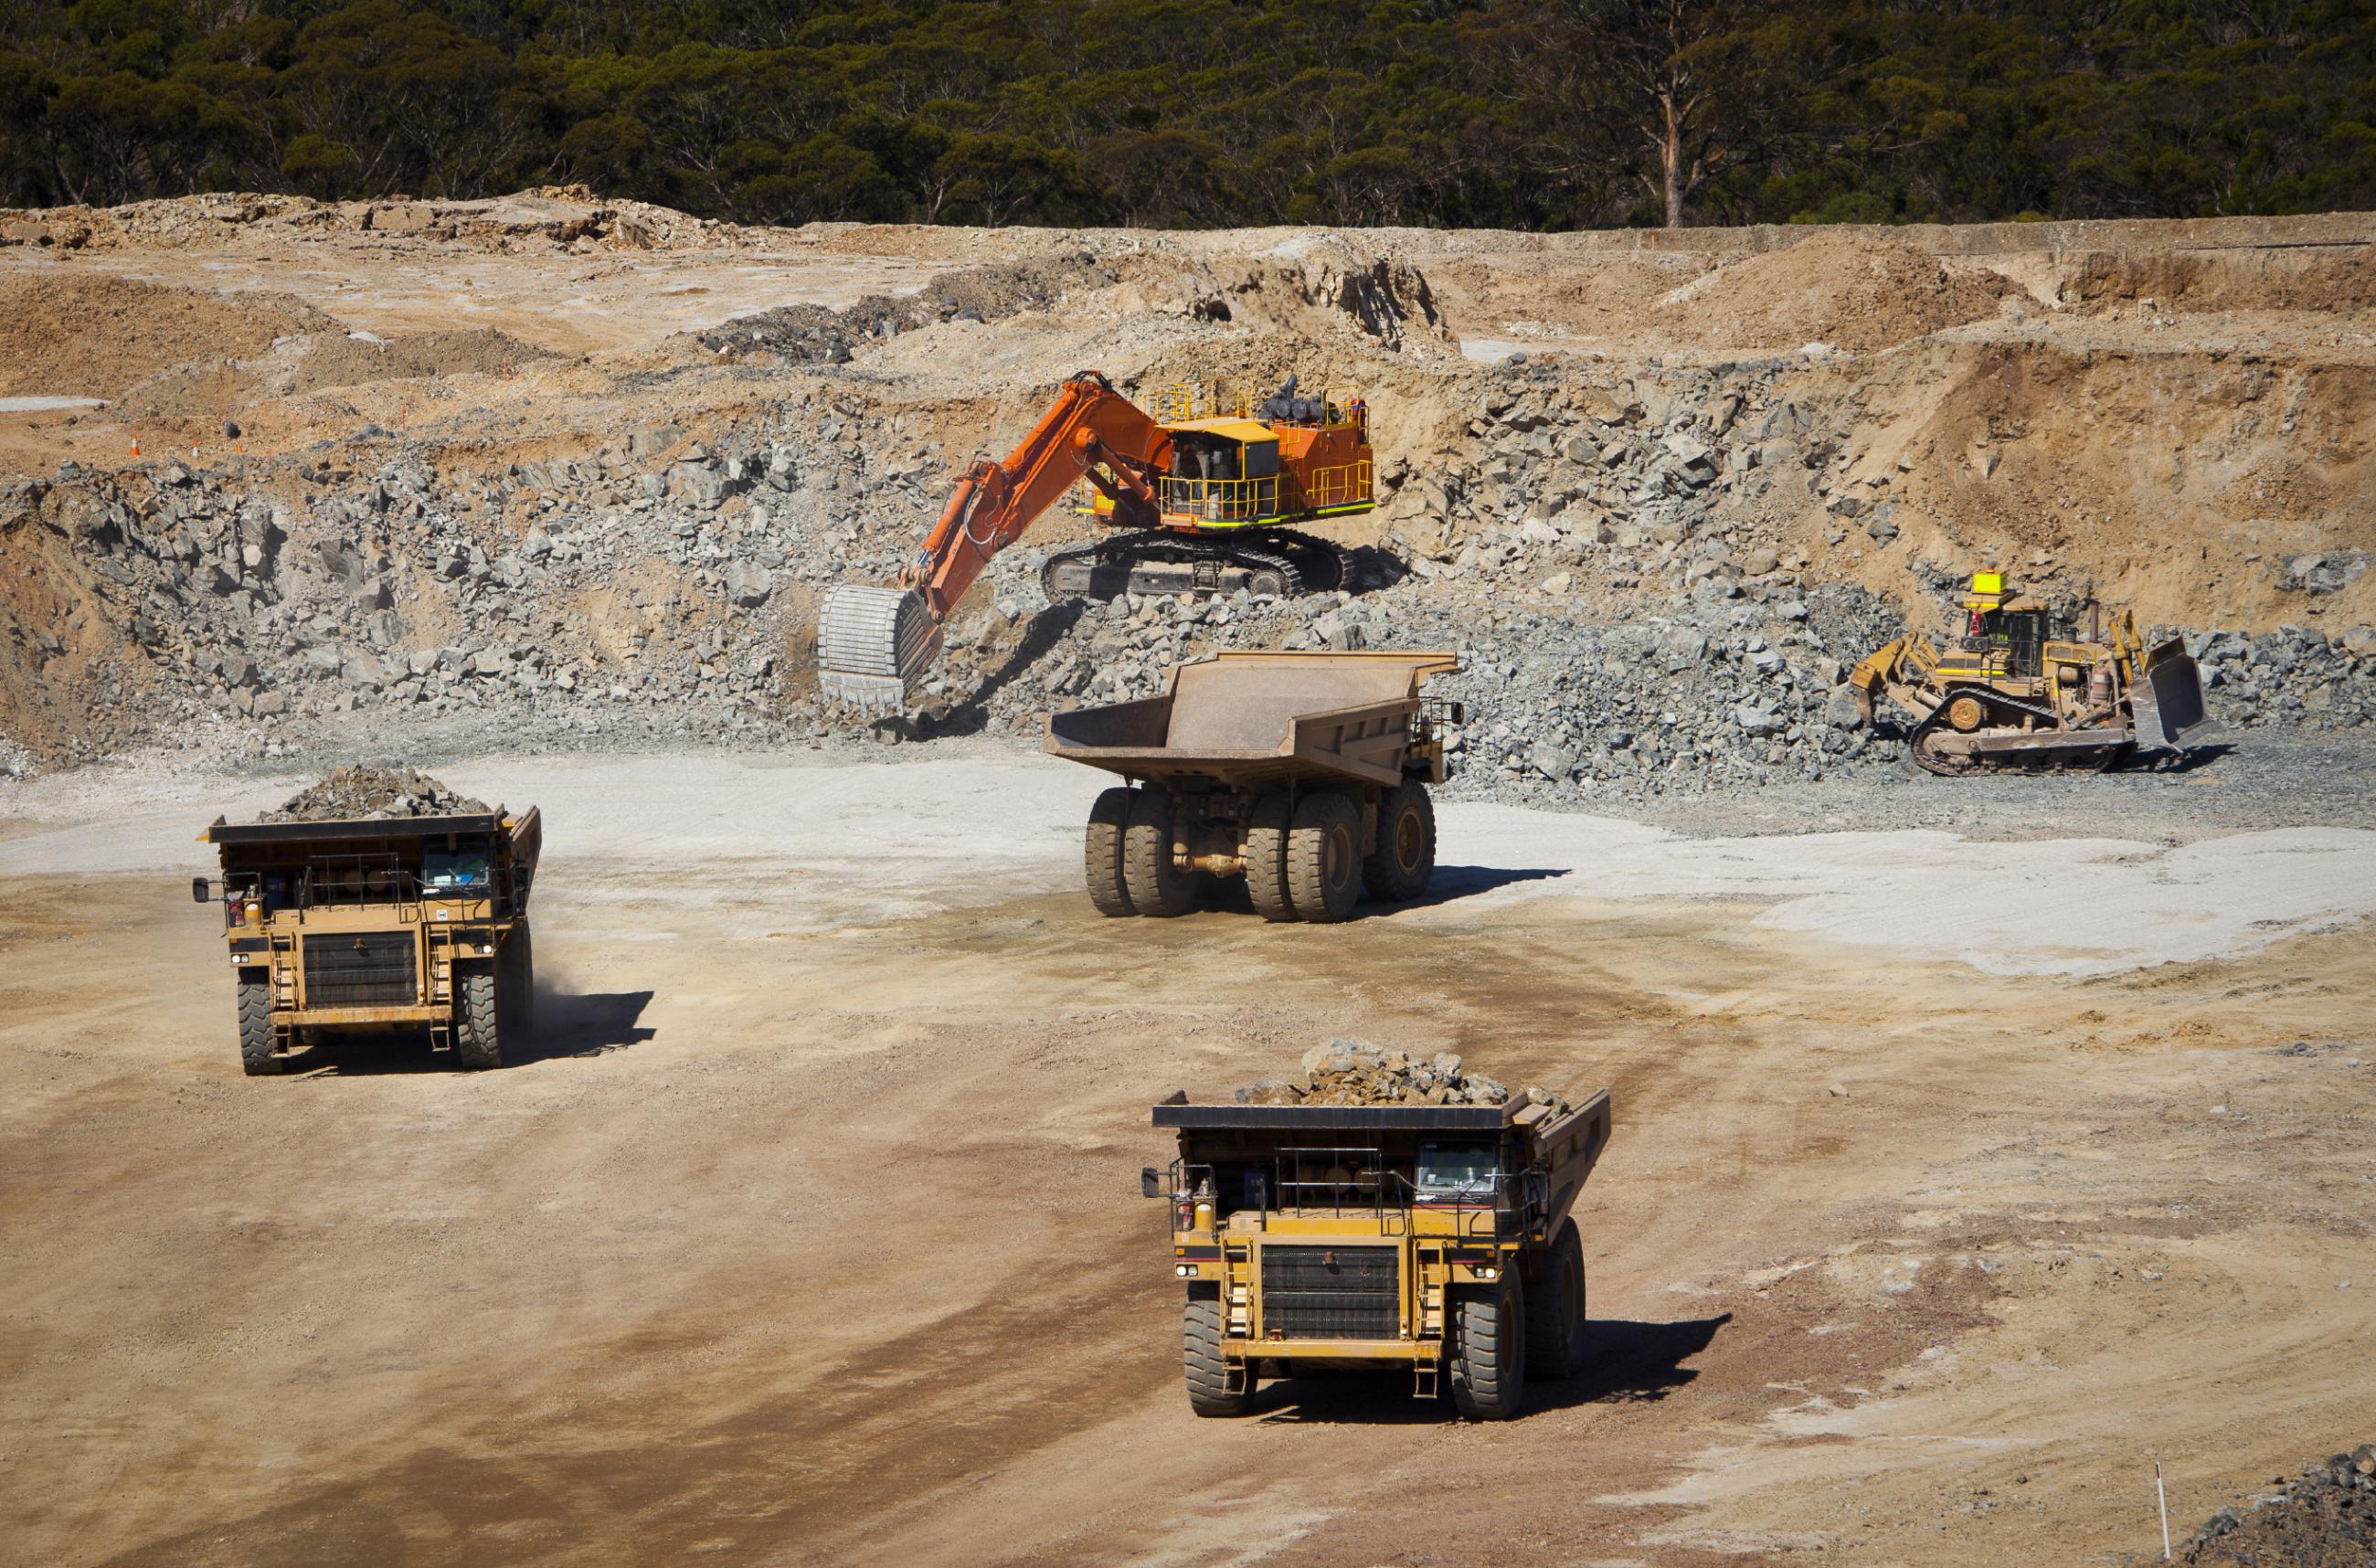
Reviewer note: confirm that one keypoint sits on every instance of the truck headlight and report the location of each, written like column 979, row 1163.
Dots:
column 1488, row 1271
column 1182, row 1270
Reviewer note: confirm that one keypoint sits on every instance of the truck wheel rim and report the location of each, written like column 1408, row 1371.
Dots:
column 1410, row 841
column 1337, row 860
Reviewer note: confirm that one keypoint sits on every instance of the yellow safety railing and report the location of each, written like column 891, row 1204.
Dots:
column 1239, row 398
column 1345, row 485
column 1223, row 500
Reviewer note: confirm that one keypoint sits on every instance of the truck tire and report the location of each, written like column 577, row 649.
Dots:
column 1265, row 857
column 1156, row 886
column 1200, row 1354
column 1102, row 852
column 1404, row 862
column 255, row 1057
column 1555, row 1308
column 478, row 1026
column 1488, row 1353
column 1323, row 858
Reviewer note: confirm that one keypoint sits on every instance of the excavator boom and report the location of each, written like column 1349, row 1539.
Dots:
column 872, row 642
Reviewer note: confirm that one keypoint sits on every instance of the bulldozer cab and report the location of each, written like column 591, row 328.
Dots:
column 2021, row 632
column 2000, row 620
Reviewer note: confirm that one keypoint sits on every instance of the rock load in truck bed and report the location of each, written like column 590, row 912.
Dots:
column 1354, row 1072
column 359, row 793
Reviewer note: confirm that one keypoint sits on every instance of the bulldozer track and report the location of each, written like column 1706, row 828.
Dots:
column 1949, row 767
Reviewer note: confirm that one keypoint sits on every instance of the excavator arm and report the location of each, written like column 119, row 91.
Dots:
column 872, row 642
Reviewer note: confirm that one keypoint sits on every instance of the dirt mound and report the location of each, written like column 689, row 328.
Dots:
column 345, row 360
column 1853, row 292
column 2325, row 1518
column 1354, row 1072
column 359, row 792
column 97, row 336
column 215, row 387
column 2342, row 279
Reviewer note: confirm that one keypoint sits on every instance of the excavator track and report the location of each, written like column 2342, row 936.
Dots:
column 1277, row 562
column 1924, row 744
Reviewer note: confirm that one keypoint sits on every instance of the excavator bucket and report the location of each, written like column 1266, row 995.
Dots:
column 872, row 642
column 2168, row 707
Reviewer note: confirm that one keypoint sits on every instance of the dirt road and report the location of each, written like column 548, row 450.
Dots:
column 811, row 1232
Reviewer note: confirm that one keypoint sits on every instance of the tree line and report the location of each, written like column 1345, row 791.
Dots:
column 1520, row 114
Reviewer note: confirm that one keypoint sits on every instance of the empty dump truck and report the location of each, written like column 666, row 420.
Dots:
column 376, row 926
column 1307, row 774
column 1435, row 1237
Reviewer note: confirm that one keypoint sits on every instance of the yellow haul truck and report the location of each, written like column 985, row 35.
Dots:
column 1435, row 1237
column 369, row 927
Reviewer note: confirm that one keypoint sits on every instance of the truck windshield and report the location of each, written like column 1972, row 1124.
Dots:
column 1457, row 1171
column 448, row 870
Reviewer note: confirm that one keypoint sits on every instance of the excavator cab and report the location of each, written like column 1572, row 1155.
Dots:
column 1224, row 473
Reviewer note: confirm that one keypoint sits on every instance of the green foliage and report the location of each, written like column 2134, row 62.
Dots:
column 1531, row 113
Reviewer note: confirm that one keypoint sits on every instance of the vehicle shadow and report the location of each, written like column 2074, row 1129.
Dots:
column 2193, row 758
column 1627, row 1361
column 973, row 716
column 1227, row 895
column 1369, row 568
column 1450, row 883
column 591, row 1024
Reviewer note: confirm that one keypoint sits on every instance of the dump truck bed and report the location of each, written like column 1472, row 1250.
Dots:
column 221, row 832
column 1569, row 1144
column 1251, row 718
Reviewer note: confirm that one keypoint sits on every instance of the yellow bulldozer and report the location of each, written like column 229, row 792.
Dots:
column 2026, row 691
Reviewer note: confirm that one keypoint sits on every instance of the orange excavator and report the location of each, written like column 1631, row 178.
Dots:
column 1200, row 500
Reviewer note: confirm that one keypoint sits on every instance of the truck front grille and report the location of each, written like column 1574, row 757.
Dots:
column 1330, row 1292
column 361, row 969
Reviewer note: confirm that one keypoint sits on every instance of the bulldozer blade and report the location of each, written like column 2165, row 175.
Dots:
column 2168, row 707
column 872, row 642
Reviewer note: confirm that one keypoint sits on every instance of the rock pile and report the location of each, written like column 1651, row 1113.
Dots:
column 808, row 333
column 2323, row 1518
column 1608, row 559
column 360, row 793
column 1355, row 1072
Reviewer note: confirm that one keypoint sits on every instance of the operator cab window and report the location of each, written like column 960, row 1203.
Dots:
column 1456, row 1172
column 462, row 870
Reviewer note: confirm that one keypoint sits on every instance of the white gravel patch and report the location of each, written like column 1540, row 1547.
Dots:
column 811, row 843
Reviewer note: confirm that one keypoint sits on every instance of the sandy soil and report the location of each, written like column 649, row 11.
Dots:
column 810, row 1233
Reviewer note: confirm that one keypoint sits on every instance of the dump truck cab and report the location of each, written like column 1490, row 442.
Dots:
column 374, row 926
column 1433, row 1240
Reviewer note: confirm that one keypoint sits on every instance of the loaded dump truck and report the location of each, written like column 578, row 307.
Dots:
column 1307, row 774
column 376, row 926
column 1430, row 1237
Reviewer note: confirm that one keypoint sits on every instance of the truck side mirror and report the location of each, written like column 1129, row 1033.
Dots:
column 1150, row 1185
column 201, row 892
